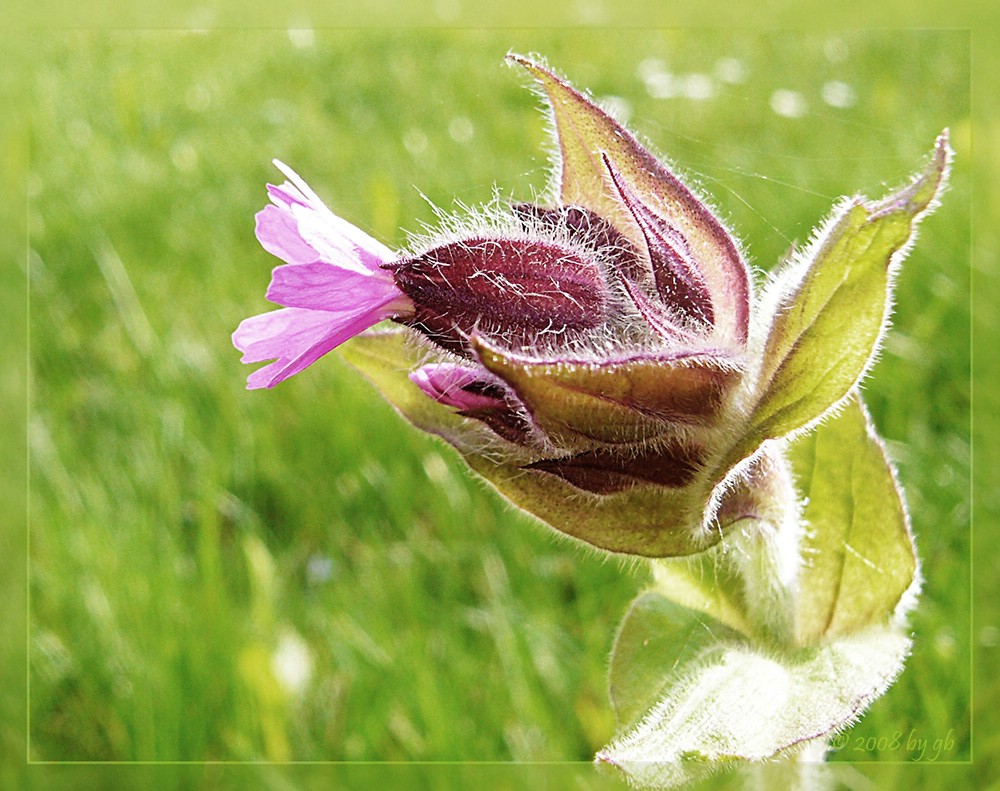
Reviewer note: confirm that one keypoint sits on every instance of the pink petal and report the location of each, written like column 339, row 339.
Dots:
column 322, row 286
column 332, row 287
column 324, row 230
column 271, row 335
column 295, row 338
column 300, row 229
column 278, row 233
column 337, row 241
column 285, row 195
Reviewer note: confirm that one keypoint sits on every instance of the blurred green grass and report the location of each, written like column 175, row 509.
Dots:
column 296, row 574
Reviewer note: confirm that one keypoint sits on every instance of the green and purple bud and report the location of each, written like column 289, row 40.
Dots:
column 600, row 359
column 523, row 291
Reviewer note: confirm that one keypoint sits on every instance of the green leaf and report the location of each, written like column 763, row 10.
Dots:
column 859, row 561
column 656, row 634
column 716, row 700
column 831, row 304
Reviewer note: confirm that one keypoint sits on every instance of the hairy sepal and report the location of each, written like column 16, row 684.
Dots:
column 513, row 288
column 589, row 141
column 386, row 356
column 638, row 518
column 619, row 400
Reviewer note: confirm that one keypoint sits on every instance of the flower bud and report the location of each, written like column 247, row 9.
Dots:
column 596, row 359
column 520, row 290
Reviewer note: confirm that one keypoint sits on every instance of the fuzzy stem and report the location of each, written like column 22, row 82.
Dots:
column 763, row 545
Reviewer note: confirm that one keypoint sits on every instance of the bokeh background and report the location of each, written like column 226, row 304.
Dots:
column 297, row 575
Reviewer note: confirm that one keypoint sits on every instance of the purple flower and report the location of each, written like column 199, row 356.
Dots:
column 332, row 287
column 600, row 357
column 594, row 343
column 602, row 334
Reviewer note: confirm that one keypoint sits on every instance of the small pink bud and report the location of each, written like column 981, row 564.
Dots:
column 459, row 386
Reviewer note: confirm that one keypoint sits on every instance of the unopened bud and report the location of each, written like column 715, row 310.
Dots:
column 519, row 290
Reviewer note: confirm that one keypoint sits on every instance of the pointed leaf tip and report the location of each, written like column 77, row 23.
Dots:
column 921, row 194
column 513, row 58
column 943, row 152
